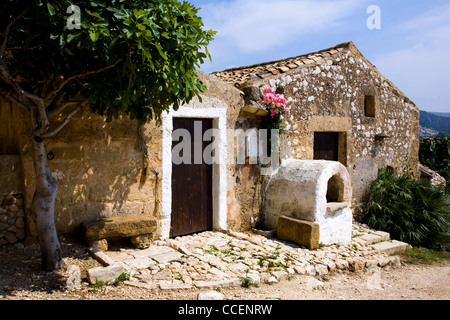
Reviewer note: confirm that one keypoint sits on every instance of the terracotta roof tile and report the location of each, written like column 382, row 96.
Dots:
column 284, row 69
column 238, row 76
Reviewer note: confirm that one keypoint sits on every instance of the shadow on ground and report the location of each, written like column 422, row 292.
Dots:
column 20, row 268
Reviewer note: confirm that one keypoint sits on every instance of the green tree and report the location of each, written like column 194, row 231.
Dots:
column 119, row 57
column 435, row 153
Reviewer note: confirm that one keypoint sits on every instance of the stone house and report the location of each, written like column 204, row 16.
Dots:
column 342, row 109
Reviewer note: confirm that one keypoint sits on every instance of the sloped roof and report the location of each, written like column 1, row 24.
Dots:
column 240, row 75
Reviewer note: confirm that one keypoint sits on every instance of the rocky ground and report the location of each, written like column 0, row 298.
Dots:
column 232, row 266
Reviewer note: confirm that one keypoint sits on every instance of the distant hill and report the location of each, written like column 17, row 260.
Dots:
column 442, row 114
column 435, row 122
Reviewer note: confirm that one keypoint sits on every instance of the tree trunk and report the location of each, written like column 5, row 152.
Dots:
column 43, row 208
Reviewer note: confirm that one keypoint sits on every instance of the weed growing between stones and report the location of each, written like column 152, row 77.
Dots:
column 98, row 285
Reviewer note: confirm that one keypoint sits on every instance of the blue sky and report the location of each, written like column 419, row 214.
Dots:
column 412, row 47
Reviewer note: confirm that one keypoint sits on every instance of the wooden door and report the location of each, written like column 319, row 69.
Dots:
column 326, row 146
column 191, row 185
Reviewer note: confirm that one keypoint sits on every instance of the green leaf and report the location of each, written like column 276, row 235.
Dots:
column 94, row 35
column 94, row 14
column 51, row 8
column 163, row 55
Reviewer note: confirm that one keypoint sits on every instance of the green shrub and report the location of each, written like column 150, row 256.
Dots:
column 435, row 154
column 411, row 210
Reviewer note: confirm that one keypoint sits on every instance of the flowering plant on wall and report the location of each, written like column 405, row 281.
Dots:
column 276, row 105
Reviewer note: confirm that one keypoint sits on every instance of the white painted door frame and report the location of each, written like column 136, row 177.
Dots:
column 218, row 114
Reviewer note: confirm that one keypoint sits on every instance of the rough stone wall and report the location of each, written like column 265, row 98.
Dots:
column 12, row 221
column 12, row 214
column 329, row 97
column 99, row 170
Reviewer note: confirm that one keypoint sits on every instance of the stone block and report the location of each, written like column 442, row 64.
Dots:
column 73, row 282
column 140, row 263
column 101, row 244
column 176, row 285
column 210, row 295
column 119, row 226
column 104, row 274
column 142, row 241
column 100, row 256
column 390, row 247
column 304, row 233
column 222, row 283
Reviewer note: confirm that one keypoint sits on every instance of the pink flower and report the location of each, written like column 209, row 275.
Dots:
column 268, row 98
column 273, row 112
column 269, row 89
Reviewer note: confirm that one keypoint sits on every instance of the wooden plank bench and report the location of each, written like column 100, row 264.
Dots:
column 138, row 227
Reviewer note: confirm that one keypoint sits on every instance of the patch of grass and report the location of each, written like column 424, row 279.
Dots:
column 98, row 285
column 121, row 278
column 247, row 282
column 213, row 250
column 355, row 235
column 420, row 255
column 325, row 278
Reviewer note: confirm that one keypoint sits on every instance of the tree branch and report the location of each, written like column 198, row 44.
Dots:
column 6, row 32
column 53, row 113
column 13, row 100
column 63, row 123
column 59, row 88
column 44, row 124
column 9, row 79
column 22, row 48
column 58, row 128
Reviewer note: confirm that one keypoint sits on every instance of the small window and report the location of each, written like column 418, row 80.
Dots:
column 369, row 106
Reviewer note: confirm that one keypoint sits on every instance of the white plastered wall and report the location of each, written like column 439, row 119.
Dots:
column 210, row 108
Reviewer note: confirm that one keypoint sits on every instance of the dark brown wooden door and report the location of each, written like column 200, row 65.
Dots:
column 191, row 184
column 326, row 146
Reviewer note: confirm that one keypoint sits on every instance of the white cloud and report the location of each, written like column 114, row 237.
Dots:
column 255, row 25
column 421, row 70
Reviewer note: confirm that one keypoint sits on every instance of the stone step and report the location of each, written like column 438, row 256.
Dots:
column 372, row 237
column 389, row 247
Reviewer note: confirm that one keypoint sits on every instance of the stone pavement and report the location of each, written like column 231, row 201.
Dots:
column 217, row 259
